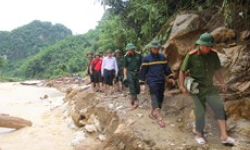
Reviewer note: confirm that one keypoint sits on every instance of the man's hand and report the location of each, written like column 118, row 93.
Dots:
column 141, row 82
column 224, row 88
column 183, row 89
column 171, row 81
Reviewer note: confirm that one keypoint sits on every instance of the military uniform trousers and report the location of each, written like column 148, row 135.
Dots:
column 133, row 84
column 213, row 99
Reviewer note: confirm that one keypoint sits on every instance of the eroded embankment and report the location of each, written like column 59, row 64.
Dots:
column 107, row 123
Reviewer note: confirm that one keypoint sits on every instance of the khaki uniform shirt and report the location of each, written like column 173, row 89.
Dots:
column 132, row 62
column 201, row 67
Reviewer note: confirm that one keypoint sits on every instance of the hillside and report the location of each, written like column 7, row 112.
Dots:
column 63, row 58
column 27, row 40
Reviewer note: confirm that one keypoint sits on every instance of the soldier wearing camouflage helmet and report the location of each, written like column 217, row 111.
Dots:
column 204, row 64
column 132, row 63
column 119, row 78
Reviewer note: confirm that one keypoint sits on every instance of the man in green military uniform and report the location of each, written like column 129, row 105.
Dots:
column 132, row 63
column 119, row 78
column 204, row 64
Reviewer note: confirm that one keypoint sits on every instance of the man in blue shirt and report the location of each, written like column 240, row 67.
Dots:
column 155, row 70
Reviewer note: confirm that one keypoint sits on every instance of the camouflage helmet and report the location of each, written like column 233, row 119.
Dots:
column 130, row 46
column 206, row 39
column 155, row 45
column 109, row 51
column 89, row 53
column 117, row 51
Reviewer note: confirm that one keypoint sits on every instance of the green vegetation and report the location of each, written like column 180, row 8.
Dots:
column 35, row 50
column 63, row 58
column 28, row 40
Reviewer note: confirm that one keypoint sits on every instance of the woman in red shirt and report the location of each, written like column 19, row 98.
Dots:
column 95, row 70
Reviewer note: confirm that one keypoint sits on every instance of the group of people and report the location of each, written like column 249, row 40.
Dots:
column 105, row 71
column 202, row 64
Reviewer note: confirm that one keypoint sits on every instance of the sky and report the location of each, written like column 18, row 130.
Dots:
column 77, row 15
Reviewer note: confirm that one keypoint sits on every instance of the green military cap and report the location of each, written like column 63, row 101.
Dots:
column 130, row 46
column 97, row 54
column 206, row 39
column 155, row 45
column 89, row 54
column 109, row 51
column 117, row 51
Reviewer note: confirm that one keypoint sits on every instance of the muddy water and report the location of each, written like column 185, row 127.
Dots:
column 49, row 131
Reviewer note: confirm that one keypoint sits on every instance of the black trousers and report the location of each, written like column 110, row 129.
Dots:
column 108, row 76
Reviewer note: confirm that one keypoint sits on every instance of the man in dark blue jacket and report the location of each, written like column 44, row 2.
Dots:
column 155, row 71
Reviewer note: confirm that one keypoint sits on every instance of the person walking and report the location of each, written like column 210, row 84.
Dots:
column 89, row 59
column 119, row 78
column 132, row 63
column 109, row 70
column 155, row 71
column 96, row 71
column 204, row 64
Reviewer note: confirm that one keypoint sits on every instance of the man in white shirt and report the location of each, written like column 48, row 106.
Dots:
column 109, row 71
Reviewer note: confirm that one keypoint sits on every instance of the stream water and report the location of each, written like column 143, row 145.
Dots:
column 49, row 131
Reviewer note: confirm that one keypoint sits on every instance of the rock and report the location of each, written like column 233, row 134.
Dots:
column 223, row 34
column 90, row 128
column 232, row 44
column 7, row 121
column 102, row 137
column 44, row 97
column 79, row 136
column 140, row 115
column 119, row 107
column 244, row 35
column 241, row 128
column 111, row 106
column 179, row 120
column 124, row 138
column 238, row 109
column 93, row 124
column 236, row 60
column 184, row 24
column 185, row 31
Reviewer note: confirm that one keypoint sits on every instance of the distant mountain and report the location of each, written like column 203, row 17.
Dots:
column 65, row 57
column 29, row 39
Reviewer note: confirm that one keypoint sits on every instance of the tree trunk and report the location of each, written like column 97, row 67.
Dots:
column 7, row 121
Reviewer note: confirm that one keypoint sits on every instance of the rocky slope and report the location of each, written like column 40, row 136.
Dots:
column 107, row 123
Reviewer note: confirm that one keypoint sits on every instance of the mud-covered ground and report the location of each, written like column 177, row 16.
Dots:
column 107, row 122
column 77, row 118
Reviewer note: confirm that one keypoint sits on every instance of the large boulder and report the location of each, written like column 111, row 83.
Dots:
column 236, row 61
column 245, row 35
column 223, row 34
column 239, row 119
column 185, row 32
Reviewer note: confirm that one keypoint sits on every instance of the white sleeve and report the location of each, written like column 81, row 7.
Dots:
column 116, row 66
column 103, row 64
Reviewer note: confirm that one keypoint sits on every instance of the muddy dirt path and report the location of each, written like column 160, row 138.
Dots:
column 49, row 131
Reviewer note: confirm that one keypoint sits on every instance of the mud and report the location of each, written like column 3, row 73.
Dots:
column 108, row 123
column 49, row 130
